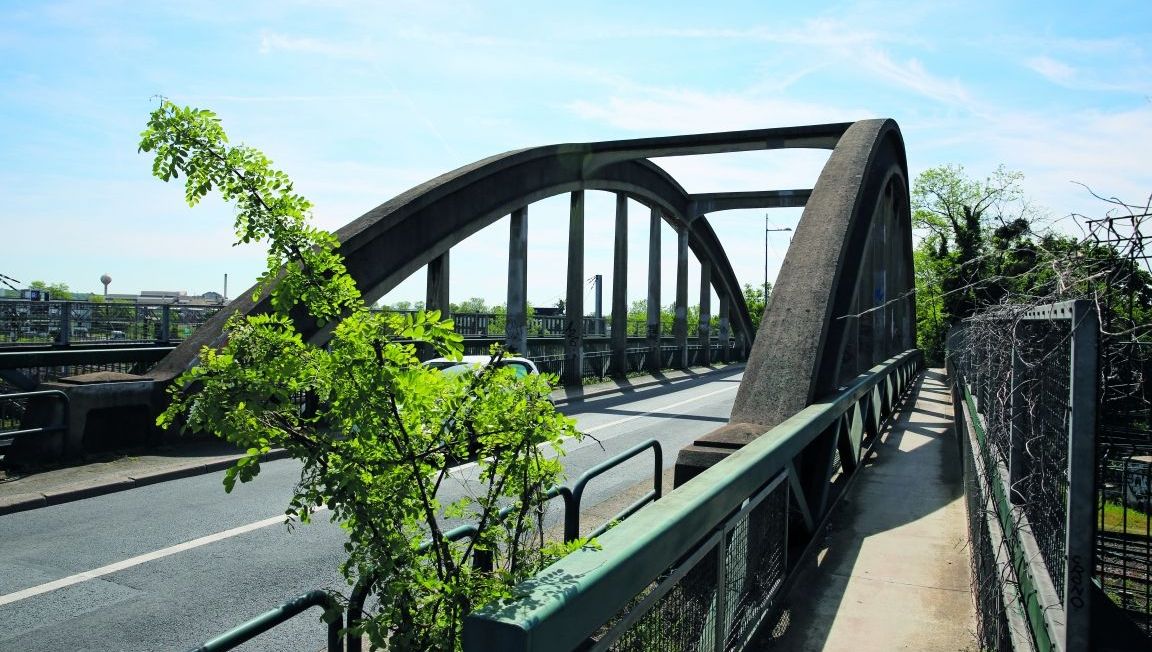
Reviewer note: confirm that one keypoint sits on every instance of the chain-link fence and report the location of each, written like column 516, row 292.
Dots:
column 1026, row 379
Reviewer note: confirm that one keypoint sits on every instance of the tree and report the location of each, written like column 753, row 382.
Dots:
column 381, row 428
column 977, row 244
column 58, row 291
column 470, row 305
column 756, row 298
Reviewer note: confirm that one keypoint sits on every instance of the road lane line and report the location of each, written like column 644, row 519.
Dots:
column 661, row 409
column 469, row 465
column 137, row 560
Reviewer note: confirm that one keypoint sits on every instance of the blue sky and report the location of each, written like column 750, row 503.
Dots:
column 359, row 101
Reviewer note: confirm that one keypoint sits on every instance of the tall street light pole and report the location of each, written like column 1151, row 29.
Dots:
column 766, row 231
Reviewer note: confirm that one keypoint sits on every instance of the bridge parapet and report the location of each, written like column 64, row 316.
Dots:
column 702, row 566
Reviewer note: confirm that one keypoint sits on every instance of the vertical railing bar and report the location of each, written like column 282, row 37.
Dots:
column 1081, row 490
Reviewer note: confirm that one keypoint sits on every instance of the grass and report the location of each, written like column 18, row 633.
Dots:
column 1136, row 521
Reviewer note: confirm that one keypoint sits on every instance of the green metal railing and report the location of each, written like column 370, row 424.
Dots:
column 571, row 496
column 702, row 568
column 257, row 626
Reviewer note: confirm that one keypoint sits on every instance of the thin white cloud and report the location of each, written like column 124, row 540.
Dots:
column 912, row 75
column 1054, row 71
column 685, row 111
column 272, row 42
column 1076, row 78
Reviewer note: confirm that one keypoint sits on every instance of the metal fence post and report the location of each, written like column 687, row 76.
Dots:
column 1017, row 407
column 65, row 334
column 165, row 320
column 1081, row 477
column 721, row 631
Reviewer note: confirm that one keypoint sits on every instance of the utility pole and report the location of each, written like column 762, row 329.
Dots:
column 764, row 287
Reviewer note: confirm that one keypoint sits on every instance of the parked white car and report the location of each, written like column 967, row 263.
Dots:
column 522, row 366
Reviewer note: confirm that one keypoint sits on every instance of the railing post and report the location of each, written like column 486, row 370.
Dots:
column 1017, row 422
column 65, row 334
column 165, row 320
column 721, row 624
column 1081, row 476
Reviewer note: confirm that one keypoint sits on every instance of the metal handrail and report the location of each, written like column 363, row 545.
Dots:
column 572, row 509
column 269, row 619
column 571, row 599
column 482, row 560
column 7, row 437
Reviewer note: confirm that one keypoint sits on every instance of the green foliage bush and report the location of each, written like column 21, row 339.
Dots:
column 382, row 429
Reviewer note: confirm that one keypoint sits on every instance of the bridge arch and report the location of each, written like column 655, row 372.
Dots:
column 415, row 228
column 843, row 300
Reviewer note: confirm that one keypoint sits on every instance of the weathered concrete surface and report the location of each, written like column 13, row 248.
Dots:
column 805, row 347
column 894, row 574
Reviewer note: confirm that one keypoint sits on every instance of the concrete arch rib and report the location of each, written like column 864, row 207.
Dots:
column 397, row 238
column 843, row 299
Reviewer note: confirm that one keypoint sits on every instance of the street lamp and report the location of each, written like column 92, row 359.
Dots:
column 766, row 231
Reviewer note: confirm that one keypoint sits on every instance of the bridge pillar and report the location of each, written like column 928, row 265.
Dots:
column 704, row 327
column 725, row 329
column 620, row 288
column 438, row 277
column 653, row 335
column 680, row 316
column 515, row 330
column 574, row 302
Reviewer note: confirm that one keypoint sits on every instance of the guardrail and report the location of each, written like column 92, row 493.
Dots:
column 25, row 322
column 269, row 619
column 9, row 416
column 482, row 560
column 702, row 568
column 571, row 497
column 1025, row 396
column 25, row 370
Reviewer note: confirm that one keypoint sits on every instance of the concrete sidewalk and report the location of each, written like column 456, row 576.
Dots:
column 894, row 573
column 196, row 456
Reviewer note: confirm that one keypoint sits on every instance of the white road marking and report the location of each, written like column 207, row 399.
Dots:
column 661, row 409
column 139, row 559
column 469, row 465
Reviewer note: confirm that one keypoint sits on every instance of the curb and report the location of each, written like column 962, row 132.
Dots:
column 25, row 502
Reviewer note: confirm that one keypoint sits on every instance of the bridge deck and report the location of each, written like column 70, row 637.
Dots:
column 894, row 574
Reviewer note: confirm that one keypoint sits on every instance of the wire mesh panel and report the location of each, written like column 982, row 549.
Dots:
column 1029, row 377
column 1044, row 348
column 677, row 620
column 756, row 565
column 719, row 594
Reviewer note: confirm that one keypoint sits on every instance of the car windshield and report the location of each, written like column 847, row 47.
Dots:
column 455, row 368
column 443, row 364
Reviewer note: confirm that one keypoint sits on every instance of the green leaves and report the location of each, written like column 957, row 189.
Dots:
column 374, row 429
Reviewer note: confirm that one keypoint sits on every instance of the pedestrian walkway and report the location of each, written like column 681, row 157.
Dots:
column 894, row 573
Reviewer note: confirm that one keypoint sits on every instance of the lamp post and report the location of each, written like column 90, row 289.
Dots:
column 766, row 231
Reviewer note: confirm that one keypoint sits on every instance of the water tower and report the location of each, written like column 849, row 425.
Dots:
column 105, row 279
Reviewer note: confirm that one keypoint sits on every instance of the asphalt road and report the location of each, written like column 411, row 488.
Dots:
column 169, row 566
